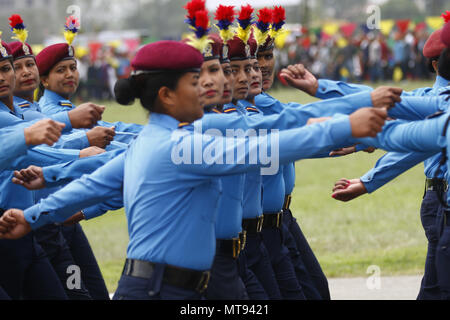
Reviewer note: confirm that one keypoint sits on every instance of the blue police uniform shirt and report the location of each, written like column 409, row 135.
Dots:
column 393, row 164
column 52, row 103
column 269, row 105
column 171, row 206
column 13, row 145
column 32, row 111
column 9, row 117
column 230, row 207
column 424, row 137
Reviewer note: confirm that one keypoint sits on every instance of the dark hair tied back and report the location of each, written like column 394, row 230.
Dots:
column 125, row 91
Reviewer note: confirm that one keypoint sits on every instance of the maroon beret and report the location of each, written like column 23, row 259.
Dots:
column 18, row 50
column 51, row 55
column 434, row 46
column 5, row 51
column 237, row 49
column 167, row 55
column 218, row 48
column 269, row 44
column 445, row 35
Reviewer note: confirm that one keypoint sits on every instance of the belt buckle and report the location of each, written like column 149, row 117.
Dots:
column 279, row 219
column 243, row 237
column 287, row 202
column 259, row 224
column 236, row 247
column 203, row 283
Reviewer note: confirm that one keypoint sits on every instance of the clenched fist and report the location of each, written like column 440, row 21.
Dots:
column 367, row 122
column 100, row 136
column 86, row 115
column 386, row 97
column 45, row 131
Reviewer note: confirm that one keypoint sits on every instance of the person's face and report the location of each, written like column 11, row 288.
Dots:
column 228, row 87
column 7, row 79
column 63, row 78
column 27, row 75
column 267, row 64
column 241, row 71
column 254, row 79
column 185, row 103
column 211, row 82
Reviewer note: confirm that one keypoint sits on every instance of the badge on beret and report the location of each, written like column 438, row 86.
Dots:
column 247, row 50
column 26, row 50
column 3, row 51
column 225, row 52
column 208, row 51
column 270, row 43
column 70, row 51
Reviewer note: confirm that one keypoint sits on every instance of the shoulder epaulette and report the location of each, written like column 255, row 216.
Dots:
column 24, row 105
column 65, row 103
column 252, row 109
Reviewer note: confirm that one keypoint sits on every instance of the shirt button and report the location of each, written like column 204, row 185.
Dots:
column 34, row 218
column 54, row 178
column 151, row 293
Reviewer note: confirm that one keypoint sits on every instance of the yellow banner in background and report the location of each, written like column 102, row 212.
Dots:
column 281, row 39
column 330, row 28
column 434, row 22
column 386, row 26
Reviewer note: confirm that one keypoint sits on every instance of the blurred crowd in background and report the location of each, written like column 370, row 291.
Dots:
column 345, row 52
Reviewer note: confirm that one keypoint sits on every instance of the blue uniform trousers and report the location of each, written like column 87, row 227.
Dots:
column 84, row 257
column 429, row 211
column 443, row 254
column 254, row 288
column 258, row 261
column 225, row 282
column 26, row 273
column 300, row 247
column 51, row 239
column 134, row 288
column 302, row 274
column 282, row 264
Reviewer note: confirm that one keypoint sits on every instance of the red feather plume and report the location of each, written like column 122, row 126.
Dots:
column 279, row 14
column 193, row 6
column 446, row 16
column 201, row 19
column 265, row 15
column 225, row 13
column 15, row 19
column 246, row 12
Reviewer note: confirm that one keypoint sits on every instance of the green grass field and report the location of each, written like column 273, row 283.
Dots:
column 380, row 229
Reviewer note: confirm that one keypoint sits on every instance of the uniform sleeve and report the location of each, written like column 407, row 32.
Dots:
column 13, row 145
column 418, row 108
column 390, row 166
column 289, row 118
column 104, row 184
column 60, row 174
column 416, row 136
column 63, row 117
column 122, row 126
column 226, row 155
column 332, row 89
column 43, row 156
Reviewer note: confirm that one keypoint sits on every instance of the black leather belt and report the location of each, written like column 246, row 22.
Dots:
column 287, row 202
column 273, row 220
column 229, row 247
column 254, row 225
column 175, row 276
column 436, row 185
